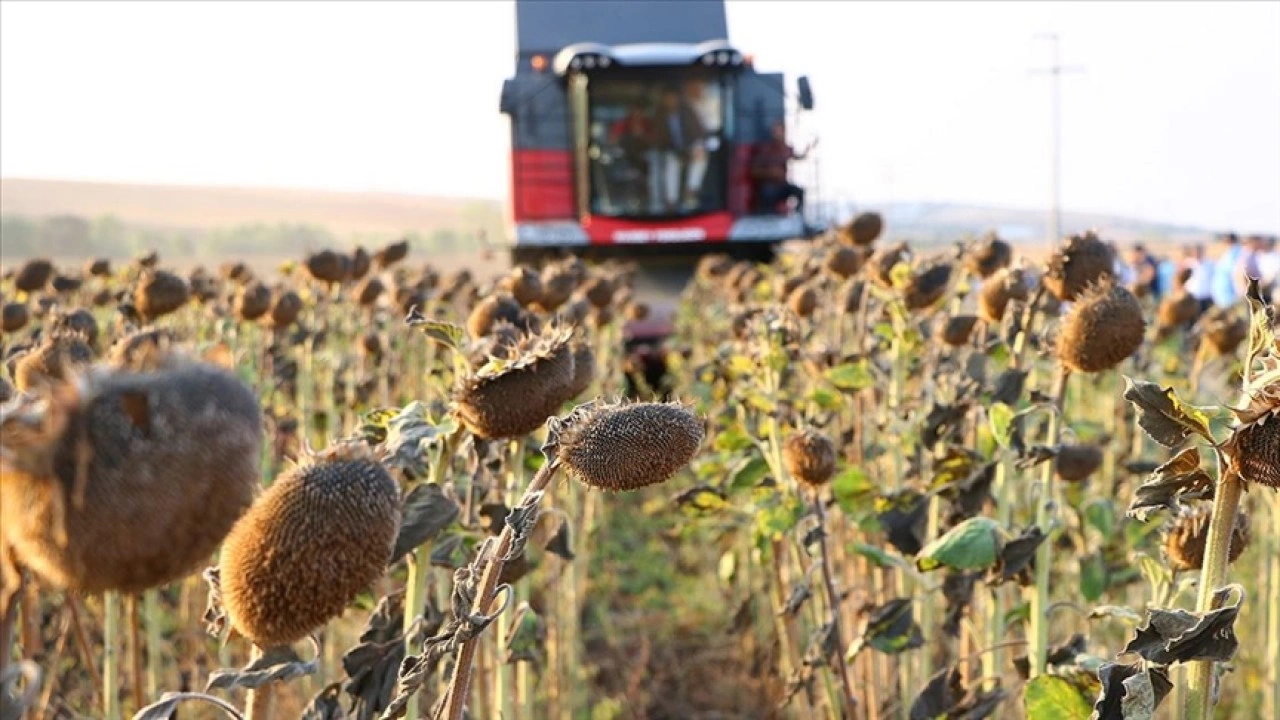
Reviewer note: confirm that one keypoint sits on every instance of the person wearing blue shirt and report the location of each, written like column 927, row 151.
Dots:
column 1226, row 255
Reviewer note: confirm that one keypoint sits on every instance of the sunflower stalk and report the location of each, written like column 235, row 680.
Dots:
column 459, row 685
column 110, row 655
column 1226, row 504
column 1271, row 702
column 848, row 700
column 1039, row 633
column 420, row 561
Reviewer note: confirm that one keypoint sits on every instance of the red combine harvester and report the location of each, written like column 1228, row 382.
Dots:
column 634, row 132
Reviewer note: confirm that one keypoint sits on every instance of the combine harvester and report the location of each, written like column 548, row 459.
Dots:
column 635, row 128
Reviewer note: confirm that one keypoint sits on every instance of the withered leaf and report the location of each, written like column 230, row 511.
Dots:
column 1062, row 655
column 800, row 592
column 812, row 536
column 449, row 334
column 957, row 588
column 1130, row 692
column 326, row 705
column 450, row 551
column 971, row 495
column 945, row 696
column 942, row 421
column 902, row 516
column 742, row 618
column 425, row 513
column 1035, row 455
column 560, row 544
column 1017, row 558
column 167, row 706
column 823, row 643
column 1007, row 387
column 1164, row 417
column 701, row 499
column 1177, row 481
column 493, row 517
column 890, row 628
column 1141, row 467
column 1067, row 652
column 1173, row 636
column 278, row 664
column 410, row 436
column 940, row 694
column 525, row 640
column 372, row 665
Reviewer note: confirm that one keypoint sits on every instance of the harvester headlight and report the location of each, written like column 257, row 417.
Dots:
column 736, row 58
column 709, row 59
column 605, row 61
column 722, row 57
column 589, row 62
column 575, row 63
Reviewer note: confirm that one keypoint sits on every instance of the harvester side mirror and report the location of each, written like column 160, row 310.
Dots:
column 507, row 103
column 805, row 92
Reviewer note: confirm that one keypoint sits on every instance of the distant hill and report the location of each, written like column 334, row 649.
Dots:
column 76, row 219
column 203, row 208
column 944, row 222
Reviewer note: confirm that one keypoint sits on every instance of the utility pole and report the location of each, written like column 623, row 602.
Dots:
column 1055, row 71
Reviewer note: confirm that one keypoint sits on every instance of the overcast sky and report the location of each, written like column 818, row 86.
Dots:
column 1175, row 114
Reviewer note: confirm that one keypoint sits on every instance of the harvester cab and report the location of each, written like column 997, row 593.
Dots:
column 638, row 132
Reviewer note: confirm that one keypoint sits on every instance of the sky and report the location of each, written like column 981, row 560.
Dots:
column 1173, row 114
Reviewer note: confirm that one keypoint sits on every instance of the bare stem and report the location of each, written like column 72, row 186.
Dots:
column 848, row 699
column 456, row 700
column 135, row 650
column 110, row 655
column 258, row 701
column 420, row 561
column 1039, row 650
column 1226, row 502
column 151, row 624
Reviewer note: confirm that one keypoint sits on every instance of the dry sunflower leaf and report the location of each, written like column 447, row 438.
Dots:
column 450, row 335
column 326, row 705
column 1130, row 692
column 1016, row 558
column 945, row 696
column 426, row 511
column 890, row 628
column 1164, row 417
column 1178, row 480
column 1173, row 636
column 167, row 706
column 902, row 517
column 280, row 664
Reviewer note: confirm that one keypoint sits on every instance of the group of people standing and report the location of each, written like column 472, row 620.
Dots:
column 668, row 149
column 1216, row 274
column 666, row 154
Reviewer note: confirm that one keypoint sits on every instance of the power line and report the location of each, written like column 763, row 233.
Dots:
column 1055, row 71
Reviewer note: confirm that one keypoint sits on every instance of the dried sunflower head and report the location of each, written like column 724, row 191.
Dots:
column 513, row 395
column 1104, row 327
column 1082, row 261
column 1188, row 534
column 626, row 446
column 1254, row 447
column 863, row 229
column 988, row 256
column 810, row 457
column 321, row 534
column 925, row 287
column 1005, row 285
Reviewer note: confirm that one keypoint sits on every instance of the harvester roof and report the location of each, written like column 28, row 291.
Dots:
column 548, row 26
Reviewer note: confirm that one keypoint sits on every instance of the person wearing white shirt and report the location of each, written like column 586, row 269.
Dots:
column 1199, row 270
